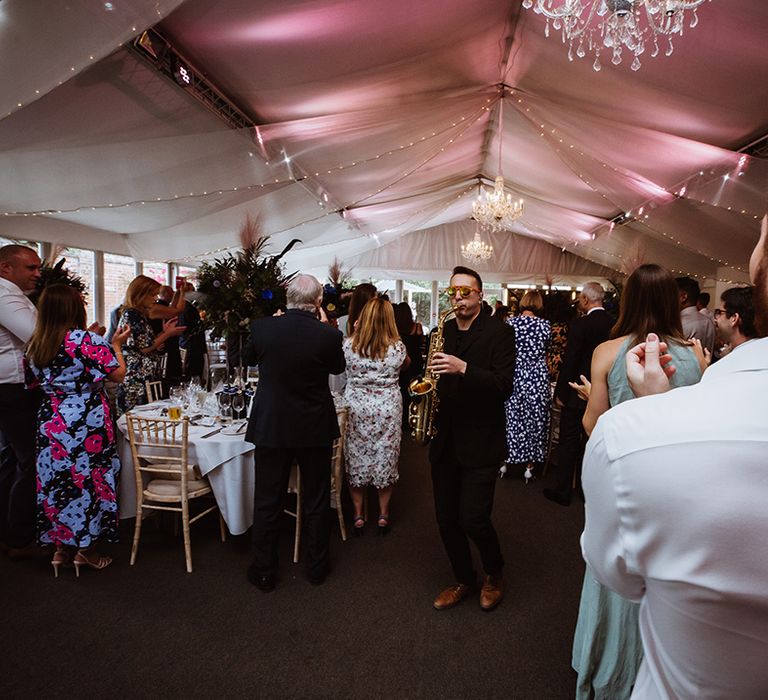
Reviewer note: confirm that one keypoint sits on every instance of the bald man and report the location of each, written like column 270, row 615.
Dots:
column 19, row 273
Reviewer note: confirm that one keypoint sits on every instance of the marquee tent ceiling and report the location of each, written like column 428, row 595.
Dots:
column 375, row 120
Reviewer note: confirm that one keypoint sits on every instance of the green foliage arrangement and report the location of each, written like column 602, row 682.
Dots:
column 242, row 286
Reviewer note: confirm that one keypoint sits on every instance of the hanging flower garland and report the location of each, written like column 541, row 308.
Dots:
column 240, row 287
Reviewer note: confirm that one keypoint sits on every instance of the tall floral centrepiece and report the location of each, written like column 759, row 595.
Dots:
column 242, row 286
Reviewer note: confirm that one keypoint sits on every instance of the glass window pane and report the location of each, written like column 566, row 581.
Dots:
column 157, row 271
column 189, row 272
column 119, row 270
column 80, row 262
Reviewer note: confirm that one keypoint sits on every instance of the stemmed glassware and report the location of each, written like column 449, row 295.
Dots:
column 225, row 407
column 238, row 404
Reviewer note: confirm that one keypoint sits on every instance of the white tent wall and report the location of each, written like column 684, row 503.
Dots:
column 376, row 121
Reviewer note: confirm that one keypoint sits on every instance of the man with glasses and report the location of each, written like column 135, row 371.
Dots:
column 476, row 370
column 735, row 320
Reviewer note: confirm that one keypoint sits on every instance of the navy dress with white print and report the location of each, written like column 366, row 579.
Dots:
column 529, row 406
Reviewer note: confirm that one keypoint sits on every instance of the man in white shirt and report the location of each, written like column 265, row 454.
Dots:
column 695, row 325
column 676, row 488
column 19, row 272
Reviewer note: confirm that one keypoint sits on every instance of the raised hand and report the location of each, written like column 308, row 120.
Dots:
column 171, row 328
column 121, row 335
column 583, row 389
column 649, row 367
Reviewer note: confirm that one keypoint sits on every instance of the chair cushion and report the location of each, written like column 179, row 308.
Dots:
column 170, row 487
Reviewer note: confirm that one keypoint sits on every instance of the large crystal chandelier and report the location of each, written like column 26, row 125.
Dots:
column 476, row 250
column 592, row 25
column 495, row 210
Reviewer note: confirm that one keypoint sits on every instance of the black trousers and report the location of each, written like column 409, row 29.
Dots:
column 273, row 470
column 18, row 466
column 463, row 505
column 570, row 450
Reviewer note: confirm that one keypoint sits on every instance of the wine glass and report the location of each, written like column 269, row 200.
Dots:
column 225, row 407
column 238, row 404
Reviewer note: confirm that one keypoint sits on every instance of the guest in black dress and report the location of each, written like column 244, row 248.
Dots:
column 412, row 342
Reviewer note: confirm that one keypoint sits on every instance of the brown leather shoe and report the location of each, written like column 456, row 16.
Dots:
column 492, row 592
column 451, row 596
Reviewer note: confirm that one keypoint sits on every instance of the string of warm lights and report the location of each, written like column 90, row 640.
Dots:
column 273, row 181
column 680, row 188
column 677, row 190
column 74, row 70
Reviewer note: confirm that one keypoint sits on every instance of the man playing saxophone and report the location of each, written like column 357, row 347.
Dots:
column 476, row 370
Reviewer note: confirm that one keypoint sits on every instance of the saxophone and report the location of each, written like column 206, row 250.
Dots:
column 423, row 390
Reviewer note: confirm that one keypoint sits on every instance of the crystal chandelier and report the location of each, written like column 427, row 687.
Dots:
column 496, row 210
column 614, row 24
column 476, row 250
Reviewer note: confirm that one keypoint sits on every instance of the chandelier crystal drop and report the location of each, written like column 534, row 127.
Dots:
column 476, row 250
column 592, row 25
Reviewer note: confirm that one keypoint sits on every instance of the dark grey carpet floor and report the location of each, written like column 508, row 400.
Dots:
column 152, row 630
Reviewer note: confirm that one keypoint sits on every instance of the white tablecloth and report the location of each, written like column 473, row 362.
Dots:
column 227, row 461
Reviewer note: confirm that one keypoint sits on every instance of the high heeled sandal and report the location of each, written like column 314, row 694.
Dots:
column 61, row 557
column 383, row 524
column 359, row 525
column 101, row 562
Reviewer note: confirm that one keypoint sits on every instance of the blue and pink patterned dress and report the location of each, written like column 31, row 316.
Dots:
column 77, row 462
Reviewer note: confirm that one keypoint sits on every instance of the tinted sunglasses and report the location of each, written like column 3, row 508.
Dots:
column 464, row 291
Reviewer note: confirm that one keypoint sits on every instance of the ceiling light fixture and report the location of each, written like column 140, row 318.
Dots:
column 615, row 24
column 495, row 210
column 476, row 250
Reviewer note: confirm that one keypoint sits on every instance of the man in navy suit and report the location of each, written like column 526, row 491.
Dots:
column 293, row 419
column 584, row 335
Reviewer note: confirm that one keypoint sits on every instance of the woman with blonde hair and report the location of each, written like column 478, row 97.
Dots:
column 375, row 356
column 77, row 462
column 528, row 408
column 142, row 351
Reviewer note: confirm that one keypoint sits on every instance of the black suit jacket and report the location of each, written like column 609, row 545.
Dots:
column 293, row 406
column 471, row 410
column 584, row 335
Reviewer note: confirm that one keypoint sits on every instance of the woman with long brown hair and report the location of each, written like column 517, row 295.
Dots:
column 607, row 649
column 77, row 463
column 142, row 351
column 374, row 354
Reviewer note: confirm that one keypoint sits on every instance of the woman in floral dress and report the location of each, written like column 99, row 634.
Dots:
column 77, row 462
column 142, row 351
column 375, row 355
column 528, row 407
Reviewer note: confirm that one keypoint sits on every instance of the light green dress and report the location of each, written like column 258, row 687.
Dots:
column 607, row 649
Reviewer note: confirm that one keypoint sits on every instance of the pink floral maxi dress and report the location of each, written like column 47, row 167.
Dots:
column 372, row 447
column 77, row 462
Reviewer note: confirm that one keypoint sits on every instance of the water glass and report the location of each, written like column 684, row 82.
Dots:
column 225, row 407
column 238, row 404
